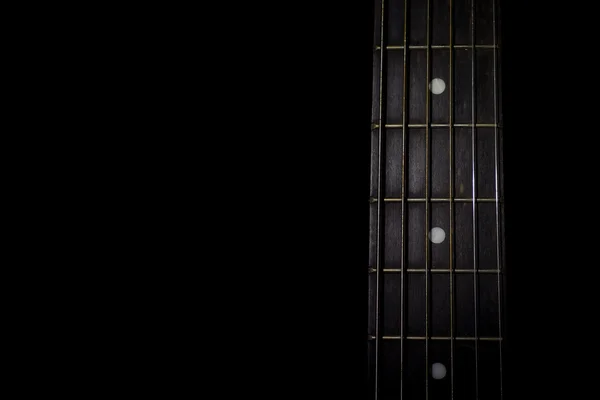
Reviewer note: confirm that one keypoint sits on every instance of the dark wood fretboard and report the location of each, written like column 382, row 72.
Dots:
column 436, row 281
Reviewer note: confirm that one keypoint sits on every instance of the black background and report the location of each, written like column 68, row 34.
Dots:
column 263, row 182
column 220, row 233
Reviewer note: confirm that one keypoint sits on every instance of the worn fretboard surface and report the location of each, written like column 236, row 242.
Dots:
column 436, row 163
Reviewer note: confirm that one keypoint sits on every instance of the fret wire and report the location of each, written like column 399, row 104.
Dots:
column 474, row 196
column 496, row 168
column 427, row 216
column 401, row 126
column 434, row 200
column 404, row 207
column 439, row 46
column 451, row 190
column 380, row 194
column 462, row 338
column 437, row 271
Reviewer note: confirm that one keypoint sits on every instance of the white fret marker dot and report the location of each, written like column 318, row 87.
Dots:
column 437, row 235
column 437, row 86
column 438, row 371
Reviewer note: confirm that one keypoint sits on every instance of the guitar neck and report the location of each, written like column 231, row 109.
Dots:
column 436, row 234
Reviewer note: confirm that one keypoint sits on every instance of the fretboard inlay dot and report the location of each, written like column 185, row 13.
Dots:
column 437, row 235
column 438, row 371
column 437, row 86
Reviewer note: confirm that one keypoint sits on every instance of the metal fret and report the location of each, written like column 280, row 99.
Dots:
column 462, row 338
column 450, row 46
column 403, row 126
column 434, row 200
column 437, row 271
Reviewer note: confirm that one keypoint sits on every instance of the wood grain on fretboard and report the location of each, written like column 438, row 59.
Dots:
column 436, row 302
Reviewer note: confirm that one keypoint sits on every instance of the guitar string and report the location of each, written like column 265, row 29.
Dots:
column 497, row 189
column 427, row 216
column 451, row 196
column 474, row 203
column 403, row 227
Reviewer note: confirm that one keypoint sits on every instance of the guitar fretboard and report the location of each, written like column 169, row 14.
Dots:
column 436, row 240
